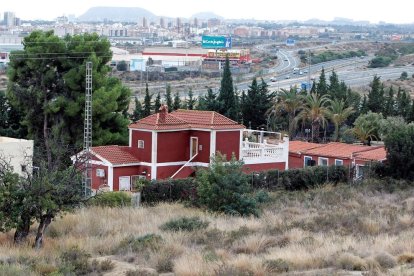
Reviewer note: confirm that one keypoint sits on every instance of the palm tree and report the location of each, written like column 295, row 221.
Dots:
column 314, row 111
column 338, row 114
column 364, row 134
column 288, row 101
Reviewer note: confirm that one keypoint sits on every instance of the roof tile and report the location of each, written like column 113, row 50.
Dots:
column 116, row 155
column 184, row 119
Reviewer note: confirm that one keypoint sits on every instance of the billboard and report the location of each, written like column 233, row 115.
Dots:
column 215, row 42
column 290, row 42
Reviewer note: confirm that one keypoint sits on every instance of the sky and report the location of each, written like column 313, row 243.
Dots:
column 396, row 11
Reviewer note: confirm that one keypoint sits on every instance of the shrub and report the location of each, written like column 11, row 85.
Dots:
column 169, row 190
column 141, row 272
column 137, row 244
column 184, row 224
column 112, row 199
column 349, row 261
column 300, row 179
column 75, row 260
column 276, row 266
column 223, row 187
column 406, row 258
column 386, row 260
column 106, row 265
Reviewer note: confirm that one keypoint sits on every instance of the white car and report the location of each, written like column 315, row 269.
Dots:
column 273, row 79
column 287, row 77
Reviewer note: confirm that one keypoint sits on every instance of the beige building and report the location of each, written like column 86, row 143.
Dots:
column 17, row 152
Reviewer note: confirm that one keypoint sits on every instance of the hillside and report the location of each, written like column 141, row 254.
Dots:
column 120, row 14
column 343, row 230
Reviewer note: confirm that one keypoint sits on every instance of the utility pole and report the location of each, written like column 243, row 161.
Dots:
column 87, row 132
column 309, row 71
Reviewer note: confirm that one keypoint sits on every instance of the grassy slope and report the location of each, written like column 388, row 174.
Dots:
column 324, row 230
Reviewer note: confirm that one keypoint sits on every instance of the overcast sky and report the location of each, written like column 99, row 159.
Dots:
column 396, row 11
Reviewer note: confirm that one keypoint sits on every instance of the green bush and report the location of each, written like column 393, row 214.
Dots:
column 169, row 190
column 276, row 266
column 300, row 179
column 138, row 244
column 184, row 224
column 223, row 187
column 112, row 199
column 75, row 260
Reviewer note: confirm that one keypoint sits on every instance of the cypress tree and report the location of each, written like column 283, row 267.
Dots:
column 147, row 102
column 322, row 87
column 177, row 101
column 364, row 106
column 410, row 118
column 157, row 103
column 226, row 96
column 191, row 102
column 168, row 98
column 137, row 114
column 389, row 107
column 376, row 96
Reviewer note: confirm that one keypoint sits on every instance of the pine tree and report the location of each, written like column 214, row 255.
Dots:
column 226, row 96
column 250, row 104
column 157, row 103
column 322, row 87
column 168, row 97
column 191, row 102
column 376, row 96
column 334, row 88
column 403, row 103
column 364, row 106
column 208, row 102
column 137, row 114
column 177, row 101
column 147, row 102
column 313, row 88
column 410, row 118
column 389, row 107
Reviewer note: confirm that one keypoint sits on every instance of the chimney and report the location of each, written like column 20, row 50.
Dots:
column 163, row 114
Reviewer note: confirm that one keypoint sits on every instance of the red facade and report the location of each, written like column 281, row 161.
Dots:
column 225, row 143
column 146, row 136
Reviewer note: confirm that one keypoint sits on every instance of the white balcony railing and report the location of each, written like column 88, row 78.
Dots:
column 262, row 151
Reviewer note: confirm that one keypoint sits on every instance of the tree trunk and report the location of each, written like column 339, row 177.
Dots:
column 44, row 223
column 22, row 230
column 336, row 135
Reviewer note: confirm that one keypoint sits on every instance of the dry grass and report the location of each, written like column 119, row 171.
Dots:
column 331, row 228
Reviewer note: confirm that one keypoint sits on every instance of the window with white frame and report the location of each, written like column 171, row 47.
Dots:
column 339, row 162
column 140, row 144
column 307, row 161
column 322, row 161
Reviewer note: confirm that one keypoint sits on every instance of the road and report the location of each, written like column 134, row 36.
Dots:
column 353, row 71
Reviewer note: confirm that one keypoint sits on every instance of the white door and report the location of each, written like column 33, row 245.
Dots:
column 124, row 183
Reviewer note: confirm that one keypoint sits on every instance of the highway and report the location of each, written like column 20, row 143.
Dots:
column 353, row 71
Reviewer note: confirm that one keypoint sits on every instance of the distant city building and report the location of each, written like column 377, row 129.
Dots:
column 178, row 24
column 213, row 22
column 144, row 22
column 162, row 22
column 9, row 19
column 195, row 22
column 62, row 20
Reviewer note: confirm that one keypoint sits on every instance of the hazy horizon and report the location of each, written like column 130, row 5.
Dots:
column 372, row 11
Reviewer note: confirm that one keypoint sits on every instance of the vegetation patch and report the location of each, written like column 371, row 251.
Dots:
column 188, row 224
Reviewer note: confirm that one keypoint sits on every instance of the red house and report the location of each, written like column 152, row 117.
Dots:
column 171, row 145
column 302, row 154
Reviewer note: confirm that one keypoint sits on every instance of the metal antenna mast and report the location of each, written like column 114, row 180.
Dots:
column 87, row 131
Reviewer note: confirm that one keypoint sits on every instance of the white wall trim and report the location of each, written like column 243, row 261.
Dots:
column 241, row 145
column 111, row 178
column 130, row 137
column 212, row 143
column 141, row 129
column 154, row 155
